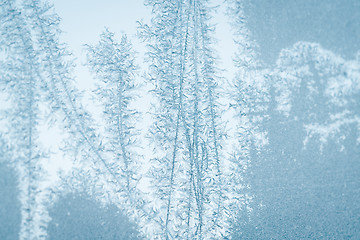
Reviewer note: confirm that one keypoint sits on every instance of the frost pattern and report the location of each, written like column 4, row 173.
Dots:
column 295, row 144
column 187, row 174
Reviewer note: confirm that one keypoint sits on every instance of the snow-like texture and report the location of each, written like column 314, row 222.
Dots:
column 287, row 168
column 250, row 96
column 310, row 162
column 329, row 84
column 79, row 216
column 10, row 214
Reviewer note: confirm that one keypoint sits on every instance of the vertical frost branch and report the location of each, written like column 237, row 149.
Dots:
column 22, row 81
column 188, row 174
column 114, row 65
column 63, row 97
